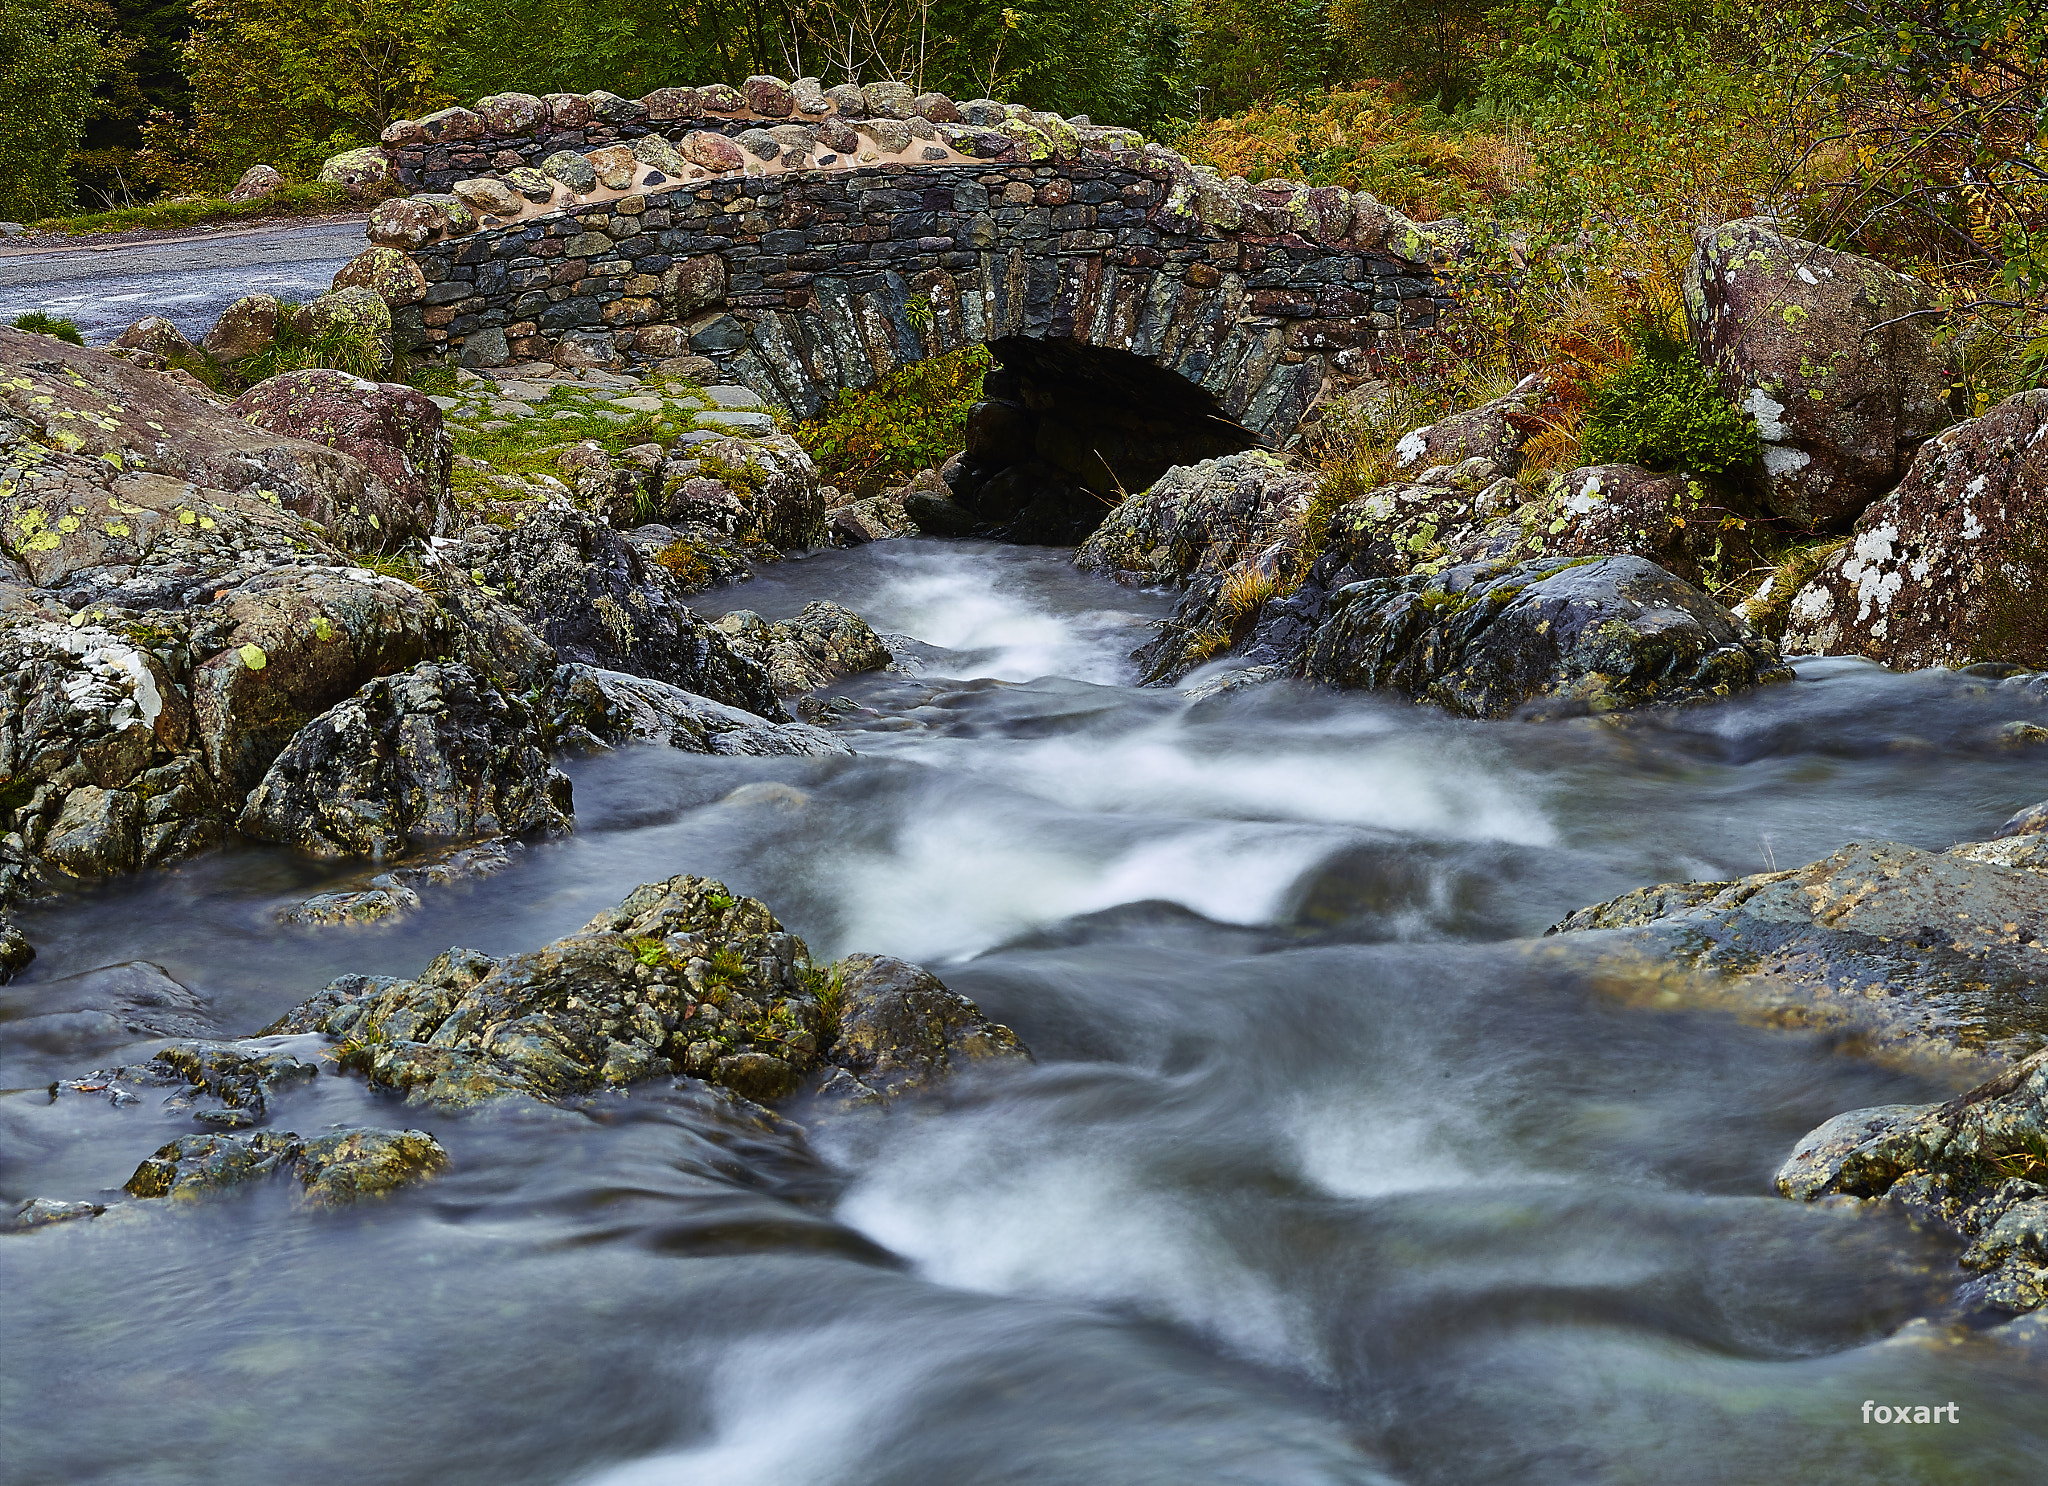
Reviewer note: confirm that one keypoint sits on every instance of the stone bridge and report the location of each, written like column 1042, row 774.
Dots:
column 1144, row 312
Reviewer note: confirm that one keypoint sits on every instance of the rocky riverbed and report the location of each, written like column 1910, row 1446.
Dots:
column 509, row 928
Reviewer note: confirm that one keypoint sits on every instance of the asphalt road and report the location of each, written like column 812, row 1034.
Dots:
column 189, row 280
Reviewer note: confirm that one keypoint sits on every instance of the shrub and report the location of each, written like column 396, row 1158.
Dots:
column 38, row 323
column 1664, row 411
column 915, row 417
column 48, row 66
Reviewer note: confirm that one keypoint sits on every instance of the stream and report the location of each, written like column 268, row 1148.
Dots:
column 1320, row 1176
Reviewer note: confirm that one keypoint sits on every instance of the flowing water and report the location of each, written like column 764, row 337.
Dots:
column 1321, row 1175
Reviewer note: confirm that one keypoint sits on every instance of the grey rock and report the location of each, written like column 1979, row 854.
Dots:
column 431, row 755
column 1544, row 639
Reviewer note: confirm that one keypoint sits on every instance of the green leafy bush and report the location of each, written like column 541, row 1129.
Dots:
column 1663, row 411
column 879, row 435
column 41, row 324
column 48, row 65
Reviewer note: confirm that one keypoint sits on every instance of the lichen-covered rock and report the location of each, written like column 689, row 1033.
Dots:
column 255, row 182
column 1240, row 509
column 1543, row 639
column 155, row 336
column 681, row 976
column 350, row 315
column 393, row 429
column 345, row 1166
column 1951, row 567
column 386, row 272
column 1830, row 352
column 293, row 642
column 194, row 1168
column 426, row 757
column 125, row 424
column 1495, row 430
column 332, row 1170
column 595, row 598
column 407, row 224
column 902, row 1032
column 775, row 495
column 821, row 642
column 873, row 518
column 94, row 714
column 245, row 327
column 1426, row 523
column 1976, row 1166
column 592, row 707
column 1928, row 952
column 362, row 167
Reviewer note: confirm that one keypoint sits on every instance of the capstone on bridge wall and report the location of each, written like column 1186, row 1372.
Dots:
column 807, row 283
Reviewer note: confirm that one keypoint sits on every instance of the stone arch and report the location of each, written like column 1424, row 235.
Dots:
column 1118, row 287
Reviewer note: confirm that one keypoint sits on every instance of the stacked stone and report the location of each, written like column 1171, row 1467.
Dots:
column 510, row 131
column 801, row 285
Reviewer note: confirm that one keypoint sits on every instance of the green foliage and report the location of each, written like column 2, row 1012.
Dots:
column 289, row 82
column 1932, row 150
column 39, row 323
column 882, row 434
column 1245, row 53
column 1664, row 411
column 1432, row 48
column 49, row 61
column 1418, row 159
column 354, row 349
column 307, row 199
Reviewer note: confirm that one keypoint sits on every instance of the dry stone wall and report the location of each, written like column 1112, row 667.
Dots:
column 803, row 283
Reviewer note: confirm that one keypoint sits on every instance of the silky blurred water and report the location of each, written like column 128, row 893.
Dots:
column 1320, row 1175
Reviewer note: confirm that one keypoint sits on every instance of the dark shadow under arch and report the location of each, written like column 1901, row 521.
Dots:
column 1065, row 429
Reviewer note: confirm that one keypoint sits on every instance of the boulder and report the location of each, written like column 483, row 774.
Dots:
column 902, row 1032
column 571, row 169
column 1976, row 1166
column 1495, row 430
column 155, row 336
column 429, row 756
column 292, row 643
column 358, row 169
column 595, row 598
column 768, row 486
column 1537, row 640
column 256, row 181
column 332, row 1170
column 104, row 423
column 770, row 97
column 1835, row 355
column 821, row 643
column 1932, row 953
column 712, row 152
column 596, row 708
column 244, row 327
column 875, row 518
column 1239, row 510
column 1448, row 513
column 1952, row 567
column 681, row 976
column 387, row 273
column 938, row 516
column 393, row 429
column 353, row 317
